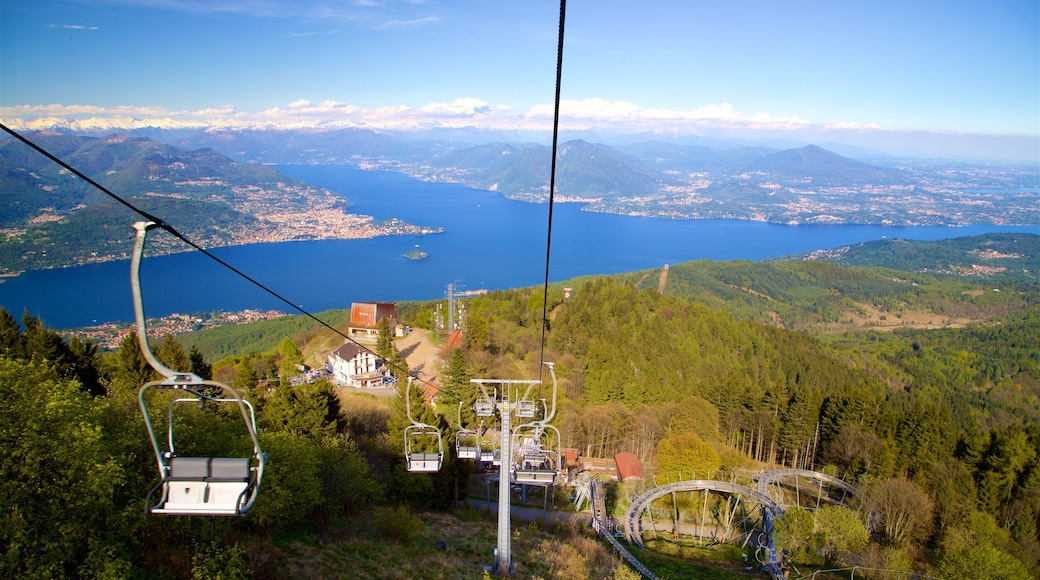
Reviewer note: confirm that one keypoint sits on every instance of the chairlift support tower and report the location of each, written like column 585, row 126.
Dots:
column 505, row 407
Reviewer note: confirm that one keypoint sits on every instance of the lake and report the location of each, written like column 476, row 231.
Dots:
column 489, row 242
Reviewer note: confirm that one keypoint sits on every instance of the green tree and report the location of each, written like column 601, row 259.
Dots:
column 387, row 350
column 794, row 532
column 476, row 333
column 12, row 342
column 58, row 477
column 457, row 387
column 131, row 369
column 289, row 496
column 689, row 454
column 1008, row 456
column 979, row 548
column 171, row 354
column 290, row 359
column 346, row 481
column 198, row 363
column 692, row 415
column 308, row 410
column 246, row 377
column 841, row 532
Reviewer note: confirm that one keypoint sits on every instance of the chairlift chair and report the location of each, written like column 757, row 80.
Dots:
column 422, row 461
column 416, row 460
column 467, row 446
column 210, row 486
column 536, row 462
column 526, row 408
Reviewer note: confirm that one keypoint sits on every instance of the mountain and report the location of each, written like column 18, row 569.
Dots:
column 583, row 170
column 694, row 179
column 817, row 166
column 281, row 146
column 694, row 158
column 53, row 219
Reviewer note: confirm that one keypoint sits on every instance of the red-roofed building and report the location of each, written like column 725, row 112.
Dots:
column 628, row 466
column 365, row 317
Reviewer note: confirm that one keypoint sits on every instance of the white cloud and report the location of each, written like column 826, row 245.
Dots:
column 458, row 107
column 74, row 26
column 411, row 23
column 583, row 114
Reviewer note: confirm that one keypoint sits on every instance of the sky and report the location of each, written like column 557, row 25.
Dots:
column 946, row 78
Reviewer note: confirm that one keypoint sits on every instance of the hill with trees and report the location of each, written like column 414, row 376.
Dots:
column 732, row 368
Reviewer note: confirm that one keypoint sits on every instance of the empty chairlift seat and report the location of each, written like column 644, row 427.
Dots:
column 424, row 462
column 466, row 444
column 534, row 468
column 204, row 486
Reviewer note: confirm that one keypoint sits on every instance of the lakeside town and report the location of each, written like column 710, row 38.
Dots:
column 108, row 336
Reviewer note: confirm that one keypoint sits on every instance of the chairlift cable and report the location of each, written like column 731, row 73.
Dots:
column 552, row 180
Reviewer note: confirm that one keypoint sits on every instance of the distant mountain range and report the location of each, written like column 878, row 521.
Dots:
column 218, row 176
column 708, row 179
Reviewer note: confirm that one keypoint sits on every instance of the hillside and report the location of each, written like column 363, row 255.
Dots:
column 817, row 166
column 584, row 170
column 946, row 418
column 1001, row 257
column 53, row 219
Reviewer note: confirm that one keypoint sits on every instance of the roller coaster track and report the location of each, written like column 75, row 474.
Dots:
column 775, row 476
column 601, row 523
column 771, row 509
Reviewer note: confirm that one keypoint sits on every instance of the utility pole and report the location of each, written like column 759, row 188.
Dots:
column 451, row 309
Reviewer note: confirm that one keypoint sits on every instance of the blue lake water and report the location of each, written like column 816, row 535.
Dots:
column 489, row 242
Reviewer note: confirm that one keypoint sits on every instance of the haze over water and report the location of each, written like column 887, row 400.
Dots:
column 489, row 242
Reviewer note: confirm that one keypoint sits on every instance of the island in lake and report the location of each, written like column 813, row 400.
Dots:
column 416, row 255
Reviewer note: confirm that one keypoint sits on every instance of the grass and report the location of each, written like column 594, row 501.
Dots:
column 447, row 546
column 458, row 545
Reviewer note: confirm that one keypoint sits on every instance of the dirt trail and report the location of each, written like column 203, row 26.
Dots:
column 421, row 354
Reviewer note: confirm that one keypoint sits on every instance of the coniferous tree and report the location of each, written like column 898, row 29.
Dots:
column 387, row 350
column 12, row 341
column 131, row 367
column 457, row 387
column 198, row 363
column 171, row 354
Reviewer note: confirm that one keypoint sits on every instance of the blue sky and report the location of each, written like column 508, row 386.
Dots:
column 942, row 77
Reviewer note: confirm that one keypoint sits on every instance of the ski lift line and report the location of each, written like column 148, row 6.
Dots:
column 162, row 224
column 552, row 176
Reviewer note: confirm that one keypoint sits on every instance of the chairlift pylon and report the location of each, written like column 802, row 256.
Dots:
column 420, row 461
column 210, row 486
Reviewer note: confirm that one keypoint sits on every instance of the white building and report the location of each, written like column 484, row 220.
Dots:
column 354, row 366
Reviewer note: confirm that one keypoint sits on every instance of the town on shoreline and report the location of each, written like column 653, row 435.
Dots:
column 107, row 336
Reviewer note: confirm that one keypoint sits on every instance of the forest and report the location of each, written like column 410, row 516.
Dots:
column 939, row 427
